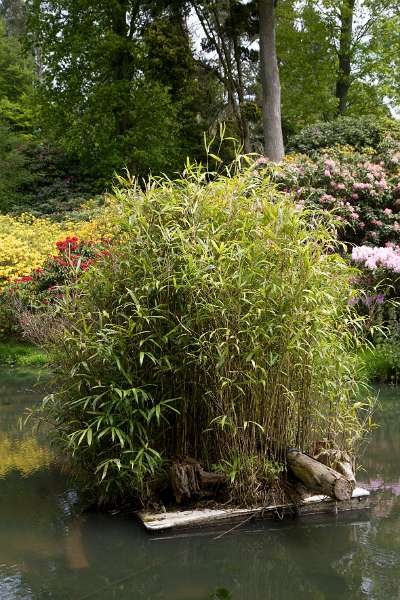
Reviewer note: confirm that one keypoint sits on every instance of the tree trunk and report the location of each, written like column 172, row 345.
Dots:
column 121, row 64
column 271, row 88
column 318, row 477
column 227, row 47
column 244, row 124
column 188, row 479
column 344, row 54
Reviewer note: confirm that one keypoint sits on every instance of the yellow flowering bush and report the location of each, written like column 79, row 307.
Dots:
column 26, row 241
column 24, row 244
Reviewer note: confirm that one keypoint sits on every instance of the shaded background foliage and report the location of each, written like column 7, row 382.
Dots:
column 134, row 84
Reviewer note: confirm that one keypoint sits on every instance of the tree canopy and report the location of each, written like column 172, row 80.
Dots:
column 117, row 84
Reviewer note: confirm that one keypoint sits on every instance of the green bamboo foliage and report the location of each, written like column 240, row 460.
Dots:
column 219, row 329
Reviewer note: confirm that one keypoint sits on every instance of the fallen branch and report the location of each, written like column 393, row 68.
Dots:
column 318, row 477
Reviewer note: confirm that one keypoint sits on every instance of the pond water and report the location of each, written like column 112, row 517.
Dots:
column 48, row 551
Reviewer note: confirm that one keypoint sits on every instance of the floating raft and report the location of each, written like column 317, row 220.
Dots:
column 189, row 519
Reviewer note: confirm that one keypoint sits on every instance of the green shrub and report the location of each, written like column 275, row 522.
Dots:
column 18, row 354
column 219, row 329
column 382, row 363
column 55, row 184
column 359, row 132
column 14, row 170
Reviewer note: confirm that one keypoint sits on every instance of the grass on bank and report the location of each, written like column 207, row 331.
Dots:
column 22, row 360
column 381, row 364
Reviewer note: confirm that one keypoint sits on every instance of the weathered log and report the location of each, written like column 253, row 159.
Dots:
column 317, row 477
column 207, row 479
column 189, row 479
column 338, row 460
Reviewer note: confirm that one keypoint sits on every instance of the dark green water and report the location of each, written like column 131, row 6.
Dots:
column 46, row 551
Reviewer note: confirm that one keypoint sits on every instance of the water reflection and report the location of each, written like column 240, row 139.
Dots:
column 47, row 551
column 26, row 456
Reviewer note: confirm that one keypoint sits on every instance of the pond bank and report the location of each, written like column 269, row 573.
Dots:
column 20, row 360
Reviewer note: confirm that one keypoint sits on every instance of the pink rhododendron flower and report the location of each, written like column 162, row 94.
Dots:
column 330, row 164
column 382, row 184
column 327, row 198
column 374, row 257
column 361, row 186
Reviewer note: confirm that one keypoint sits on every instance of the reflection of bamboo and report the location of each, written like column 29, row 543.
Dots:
column 290, row 567
column 75, row 554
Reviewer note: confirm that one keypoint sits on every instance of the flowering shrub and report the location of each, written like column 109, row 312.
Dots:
column 373, row 258
column 24, row 244
column 26, row 241
column 379, row 280
column 44, row 286
column 378, row 297
column 361, row 190
column 46, row 283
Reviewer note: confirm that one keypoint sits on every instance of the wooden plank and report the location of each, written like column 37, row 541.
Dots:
column 189, row 519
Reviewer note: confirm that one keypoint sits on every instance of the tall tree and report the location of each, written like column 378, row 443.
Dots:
column 345, row 53
column 271, row 88
column 15, row 115
column 194, row 90
column 14, row 15
column 16, row 82
column 362, row 31
column 96, row 100
column 225, row 26
column 307, row 65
